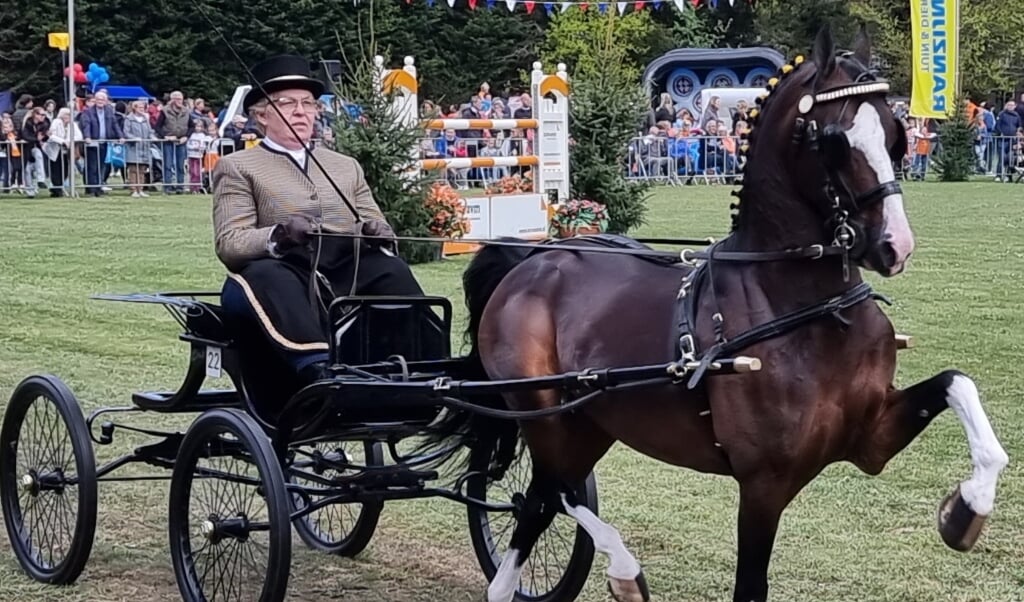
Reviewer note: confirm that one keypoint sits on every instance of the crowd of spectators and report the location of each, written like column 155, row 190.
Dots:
column 171, row 144
column 677, row 146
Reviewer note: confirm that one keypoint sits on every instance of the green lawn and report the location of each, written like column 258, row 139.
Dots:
column 847, row 536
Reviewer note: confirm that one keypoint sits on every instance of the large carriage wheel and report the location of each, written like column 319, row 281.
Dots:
column 559, row 565
column 229, row 512
column 47, row 480
column 339, row 529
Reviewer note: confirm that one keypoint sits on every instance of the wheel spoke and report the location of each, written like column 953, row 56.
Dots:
column 227, row 487
column 45, row 452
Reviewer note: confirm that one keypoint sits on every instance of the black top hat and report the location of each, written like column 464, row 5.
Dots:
column 282, row 72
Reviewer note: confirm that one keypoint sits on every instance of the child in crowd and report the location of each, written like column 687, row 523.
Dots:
column 196, row 146
column 9, row 137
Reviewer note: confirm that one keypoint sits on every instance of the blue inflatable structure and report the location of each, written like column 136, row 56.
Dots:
column 685, row 72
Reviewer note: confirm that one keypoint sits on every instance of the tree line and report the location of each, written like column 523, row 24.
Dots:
column 170, row 44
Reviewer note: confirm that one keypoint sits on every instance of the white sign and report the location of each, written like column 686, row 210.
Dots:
column 478, row 212
column 519, row 216
column 213, row 367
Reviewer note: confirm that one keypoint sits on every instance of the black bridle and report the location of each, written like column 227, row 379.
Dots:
column 832, row 146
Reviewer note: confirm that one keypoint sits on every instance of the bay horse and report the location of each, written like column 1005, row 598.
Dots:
column 818, row 203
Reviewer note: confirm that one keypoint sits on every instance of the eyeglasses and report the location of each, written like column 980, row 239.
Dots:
column 290, row 104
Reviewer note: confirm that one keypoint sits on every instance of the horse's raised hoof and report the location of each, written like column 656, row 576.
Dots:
column 959, row 526
column 629, row 590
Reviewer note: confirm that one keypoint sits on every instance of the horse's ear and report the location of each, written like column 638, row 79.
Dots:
column 862, row 46
column 825, row 53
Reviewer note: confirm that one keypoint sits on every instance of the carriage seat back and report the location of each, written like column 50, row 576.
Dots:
column 368, row 329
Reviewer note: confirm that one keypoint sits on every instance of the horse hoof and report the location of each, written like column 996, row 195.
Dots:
column 629, row 590
column 959, row 526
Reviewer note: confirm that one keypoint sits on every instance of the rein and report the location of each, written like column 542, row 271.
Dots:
column 686, row 256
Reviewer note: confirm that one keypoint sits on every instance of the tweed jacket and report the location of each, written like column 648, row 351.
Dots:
column 259, row 187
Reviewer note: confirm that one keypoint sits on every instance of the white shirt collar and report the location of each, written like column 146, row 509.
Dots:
column 298, row 154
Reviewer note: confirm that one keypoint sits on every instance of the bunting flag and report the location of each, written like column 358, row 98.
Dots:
column 602, row 7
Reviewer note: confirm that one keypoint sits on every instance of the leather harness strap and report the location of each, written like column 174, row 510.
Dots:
column 686, row 311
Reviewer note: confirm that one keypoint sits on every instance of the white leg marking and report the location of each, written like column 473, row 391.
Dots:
column 987, row 455
column 621, row 564
column 506, row 581
column 868, row 136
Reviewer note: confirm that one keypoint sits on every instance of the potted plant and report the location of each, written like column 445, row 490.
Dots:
column 511, row 185
column 577, row 217
column 448, row 210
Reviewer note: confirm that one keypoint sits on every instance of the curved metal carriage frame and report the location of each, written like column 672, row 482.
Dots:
column 298, row 463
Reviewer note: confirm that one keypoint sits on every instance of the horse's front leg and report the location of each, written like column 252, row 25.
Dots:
column 762, row 501
column 906, row 413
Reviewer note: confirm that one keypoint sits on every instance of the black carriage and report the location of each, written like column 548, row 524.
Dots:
column 267, row 455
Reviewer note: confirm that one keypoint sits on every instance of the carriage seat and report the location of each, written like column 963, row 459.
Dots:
column 365, row 330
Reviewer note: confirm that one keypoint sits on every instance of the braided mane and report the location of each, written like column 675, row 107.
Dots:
column 763, row 102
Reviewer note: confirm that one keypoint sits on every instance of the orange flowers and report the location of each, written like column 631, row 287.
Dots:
column 511, row 185
column 449, row 211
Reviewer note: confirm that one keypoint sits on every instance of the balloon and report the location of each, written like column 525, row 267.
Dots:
column 67, row 70
column 89, row 75
column 78, row 67
column 93, row 67
column 104, row 77
column 80, row 77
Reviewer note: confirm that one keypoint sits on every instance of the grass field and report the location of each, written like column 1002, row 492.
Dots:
column 847, row 537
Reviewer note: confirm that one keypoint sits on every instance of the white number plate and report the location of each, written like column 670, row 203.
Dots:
column 213, row 369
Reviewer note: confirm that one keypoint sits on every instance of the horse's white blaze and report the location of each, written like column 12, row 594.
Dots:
column 987, row 455
column 868, row 136
column 621, row 564
column 503, row 586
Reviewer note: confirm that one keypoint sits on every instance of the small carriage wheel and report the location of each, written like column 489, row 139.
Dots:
column 342, row 529
column 229, row 512
column 48, row 480
column 560, row 563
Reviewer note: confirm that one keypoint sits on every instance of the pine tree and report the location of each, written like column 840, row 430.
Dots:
column 956, row 159
column 374, row 133
column 607, row 103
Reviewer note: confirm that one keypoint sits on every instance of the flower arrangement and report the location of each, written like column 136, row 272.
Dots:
column 511, row 185
column 578, row 216
column 448, row 210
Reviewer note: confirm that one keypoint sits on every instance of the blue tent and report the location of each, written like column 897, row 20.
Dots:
column 126, row 92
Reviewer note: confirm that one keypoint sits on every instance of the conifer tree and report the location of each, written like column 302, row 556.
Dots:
column 956, row 159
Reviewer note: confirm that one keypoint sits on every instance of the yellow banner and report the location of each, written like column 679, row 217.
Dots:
column 934, row 35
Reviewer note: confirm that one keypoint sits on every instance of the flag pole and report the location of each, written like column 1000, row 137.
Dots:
column 958, row 53
column 71, row 98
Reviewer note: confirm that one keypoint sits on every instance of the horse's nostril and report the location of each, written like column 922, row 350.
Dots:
column 887, row 254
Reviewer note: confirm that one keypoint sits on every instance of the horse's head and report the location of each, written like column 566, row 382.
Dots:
column 845, row 140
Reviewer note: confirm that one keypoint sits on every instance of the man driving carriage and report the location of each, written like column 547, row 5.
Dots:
column 268, row 200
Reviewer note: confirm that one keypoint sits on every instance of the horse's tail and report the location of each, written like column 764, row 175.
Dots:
column 459, row 428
